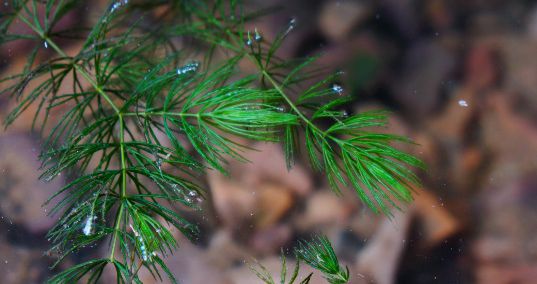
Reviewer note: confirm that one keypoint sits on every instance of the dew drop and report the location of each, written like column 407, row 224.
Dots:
column 45, row 43
column 463, row 103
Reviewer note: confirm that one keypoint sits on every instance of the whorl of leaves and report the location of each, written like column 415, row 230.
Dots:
column 317, row 253
column 133, row 96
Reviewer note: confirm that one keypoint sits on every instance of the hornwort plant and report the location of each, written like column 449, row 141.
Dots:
column 317, row 253
column 152, row 76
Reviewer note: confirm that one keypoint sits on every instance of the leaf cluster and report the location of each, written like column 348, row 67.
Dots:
column 143, row 115
column 317, row 253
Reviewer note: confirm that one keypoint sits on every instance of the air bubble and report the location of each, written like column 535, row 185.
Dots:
column 118, row 5
column 290, row 26
column 249, row 41
column 188, row 68
column 257, row 36
column 159, row 163
column 292, row 23
column 337, row 89
column 88, row 227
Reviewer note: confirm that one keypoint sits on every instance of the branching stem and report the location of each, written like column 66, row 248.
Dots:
column 98, row 89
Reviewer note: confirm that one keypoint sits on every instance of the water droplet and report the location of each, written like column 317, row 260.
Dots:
column 257, row 36
column 463, row 103
column 188, row 68
column 88, row 226
column 159, row 163
column 45, row 43
column 114, row 7
column 292, row 23
column 337, row 89
column 118, row 5
column 290, row 26
column 249, row 41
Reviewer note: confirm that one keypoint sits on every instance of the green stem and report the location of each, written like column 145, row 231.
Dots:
column 123, row 192
column 278, row 88
column 276, row 85
column 104, row 95
column 163, row 113
column 80, row 70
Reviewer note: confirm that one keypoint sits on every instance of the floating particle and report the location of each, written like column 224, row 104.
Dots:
column 463, row 103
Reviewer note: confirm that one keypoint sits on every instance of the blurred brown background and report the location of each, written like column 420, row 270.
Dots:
column 461, row 80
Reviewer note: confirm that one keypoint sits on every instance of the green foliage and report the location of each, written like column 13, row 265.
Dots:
column 317, row 253
column 265, row 276
column 134, row 95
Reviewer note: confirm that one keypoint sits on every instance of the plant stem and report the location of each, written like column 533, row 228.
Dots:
column 77, row 67
column 289, row 102
column 98, row 89
column 276, row 85
column 163, row 113
column 123, row 192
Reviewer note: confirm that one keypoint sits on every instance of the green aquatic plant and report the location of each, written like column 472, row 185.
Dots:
column 153, row 98
column 317, row 253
